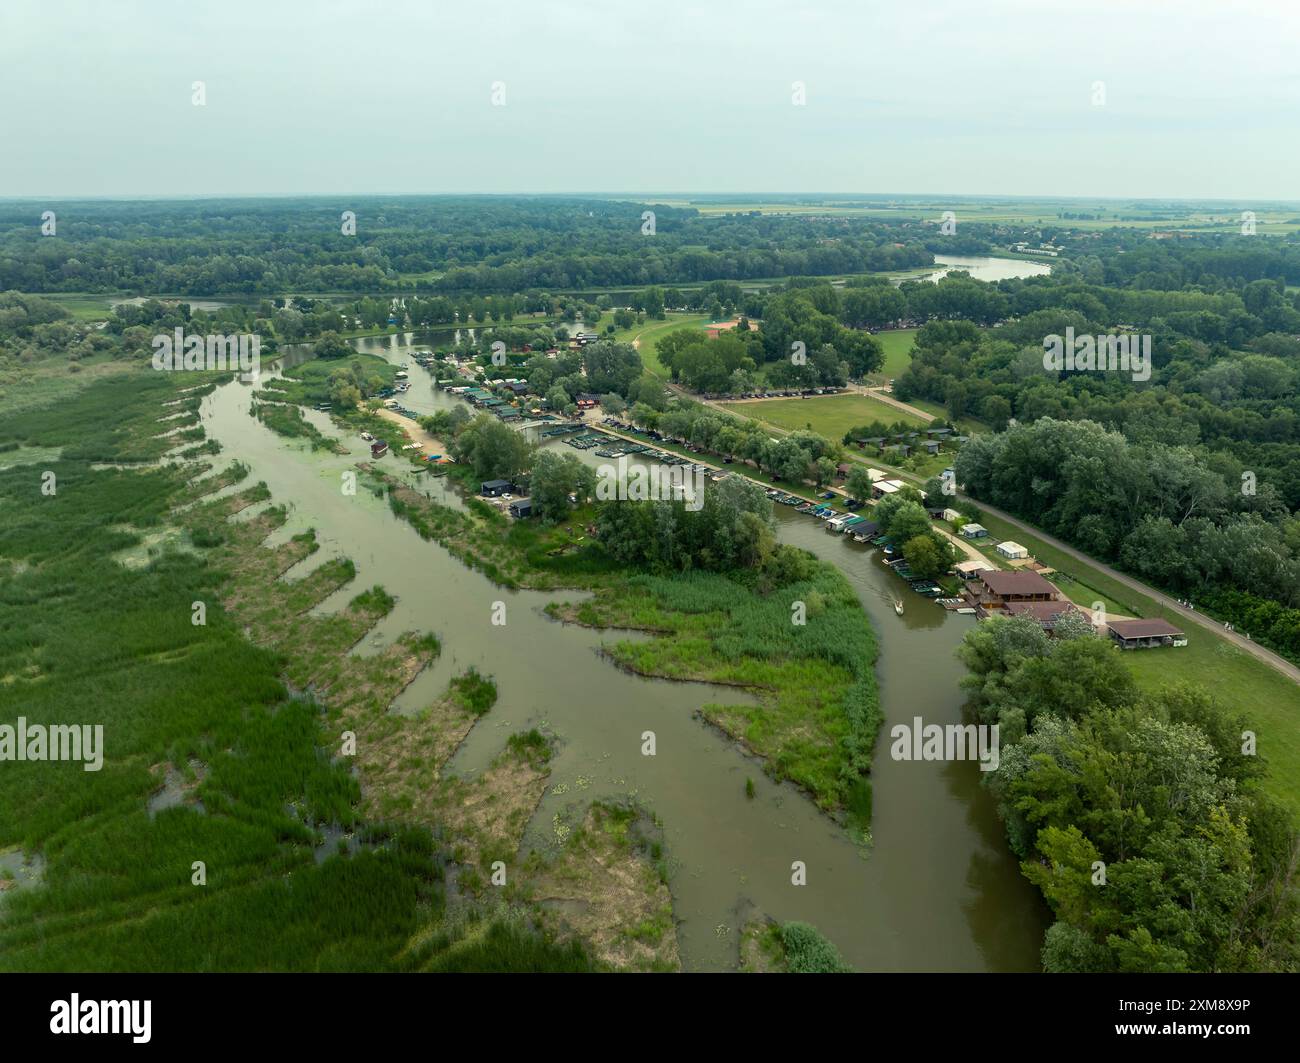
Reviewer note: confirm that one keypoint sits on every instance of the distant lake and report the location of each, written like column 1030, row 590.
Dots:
column 195, row 304
column 985, row 268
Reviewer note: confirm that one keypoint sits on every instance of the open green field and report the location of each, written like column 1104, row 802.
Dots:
column 83, row 306
column 831, row 415
column 1270, row 701
column 897, row 344
column 648, row 335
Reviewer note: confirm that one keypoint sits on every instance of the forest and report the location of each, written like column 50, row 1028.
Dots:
column 432, row 244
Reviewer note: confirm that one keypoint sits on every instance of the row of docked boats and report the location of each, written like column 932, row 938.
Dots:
column 859, row 527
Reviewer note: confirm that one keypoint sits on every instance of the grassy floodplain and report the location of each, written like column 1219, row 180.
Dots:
column 209, row 755
column 818, row 710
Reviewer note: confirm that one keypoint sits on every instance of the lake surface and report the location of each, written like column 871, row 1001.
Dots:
column 937, row 891
column 987, row 268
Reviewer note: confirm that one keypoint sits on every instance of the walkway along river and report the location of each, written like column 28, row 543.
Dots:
column 937, row 891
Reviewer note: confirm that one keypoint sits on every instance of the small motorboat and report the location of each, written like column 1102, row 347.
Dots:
column 898, row 606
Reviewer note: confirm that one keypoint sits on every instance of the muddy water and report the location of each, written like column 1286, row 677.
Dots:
column 937, row 892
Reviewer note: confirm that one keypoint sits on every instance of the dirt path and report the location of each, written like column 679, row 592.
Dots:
column 971, row 553
column 414, row 431
column 876, row 393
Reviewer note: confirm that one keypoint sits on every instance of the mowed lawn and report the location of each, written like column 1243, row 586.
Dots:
column 1269, row 701
column 897, row 344
column 830, row 415
column 649, row 334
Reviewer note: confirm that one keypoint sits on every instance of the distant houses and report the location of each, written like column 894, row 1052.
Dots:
column 1012, row 551
column 972, row 530
column 496, row 488
column 521, row 508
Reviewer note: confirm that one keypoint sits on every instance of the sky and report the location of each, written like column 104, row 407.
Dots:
column 1197, row 98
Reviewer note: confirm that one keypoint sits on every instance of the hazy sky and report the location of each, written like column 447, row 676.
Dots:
column 1202, row 97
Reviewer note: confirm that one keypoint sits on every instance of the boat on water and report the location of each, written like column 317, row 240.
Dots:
column 805, row 508
column 898, row 606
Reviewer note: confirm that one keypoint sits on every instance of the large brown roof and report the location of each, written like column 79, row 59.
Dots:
column 1018, row 582
column 1143, row 629
column 1043, row 612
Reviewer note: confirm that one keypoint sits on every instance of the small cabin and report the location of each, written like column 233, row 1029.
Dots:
column 1145, row 634
column 521, row 508
column 496, row 488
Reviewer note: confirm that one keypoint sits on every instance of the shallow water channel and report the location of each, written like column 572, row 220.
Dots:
column 938, row 890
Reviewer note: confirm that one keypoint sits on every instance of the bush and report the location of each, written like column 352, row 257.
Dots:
column 807, row 952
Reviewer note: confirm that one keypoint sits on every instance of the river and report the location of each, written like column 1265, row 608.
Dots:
column 937, row 891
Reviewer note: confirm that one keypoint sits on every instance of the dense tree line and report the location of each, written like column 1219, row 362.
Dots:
column 730, row 528
column 431, row 244
column 1135, row 813
column 1161, row 511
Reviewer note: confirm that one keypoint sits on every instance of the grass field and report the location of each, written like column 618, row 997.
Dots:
column 84, row 307
column 649, row 334
column 832, row 416
column 897, row 344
